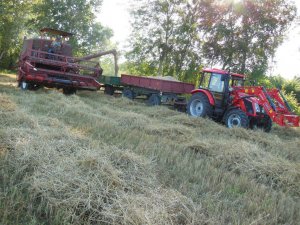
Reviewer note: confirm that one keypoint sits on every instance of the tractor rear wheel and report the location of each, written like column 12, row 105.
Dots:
column 199, row 106
column 236, row 118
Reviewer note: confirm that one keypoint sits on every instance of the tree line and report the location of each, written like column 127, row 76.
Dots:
column 169, row 37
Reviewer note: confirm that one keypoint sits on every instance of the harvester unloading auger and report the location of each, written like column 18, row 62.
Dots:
column 49, row 63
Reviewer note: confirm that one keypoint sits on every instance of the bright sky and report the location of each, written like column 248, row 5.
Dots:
column 114, row 14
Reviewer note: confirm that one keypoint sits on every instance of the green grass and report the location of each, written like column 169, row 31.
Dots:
column 91, row 158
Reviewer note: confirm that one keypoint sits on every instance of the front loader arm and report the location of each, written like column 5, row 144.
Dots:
column 273, row 105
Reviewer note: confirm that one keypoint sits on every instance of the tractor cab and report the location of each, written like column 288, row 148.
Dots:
column 214, row 80
column 222, row 96
column 217, row 84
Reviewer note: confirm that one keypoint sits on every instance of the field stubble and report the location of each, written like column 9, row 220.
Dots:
column 91, row 158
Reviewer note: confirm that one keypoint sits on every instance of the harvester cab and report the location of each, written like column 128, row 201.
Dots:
column 48, row 61
column 223, row 97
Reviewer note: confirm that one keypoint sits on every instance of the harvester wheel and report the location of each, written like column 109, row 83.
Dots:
column 199, row 106
column 109, row 90
column 24, row 85
column 128, row 93
column 153, row 100
column 236, row 118
column 69, row 91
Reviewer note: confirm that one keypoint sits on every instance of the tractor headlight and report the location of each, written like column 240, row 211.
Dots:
column 257, row 108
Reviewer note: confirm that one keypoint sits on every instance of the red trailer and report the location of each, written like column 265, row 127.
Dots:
column 157, row 90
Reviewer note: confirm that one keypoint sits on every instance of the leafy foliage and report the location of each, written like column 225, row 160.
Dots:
column 164, row 39
column 13, row 14
column 242, row 36
column 20, row 18
column 176, row 37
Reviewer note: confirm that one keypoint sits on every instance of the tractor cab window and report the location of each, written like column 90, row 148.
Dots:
column 205, row 80
column 237, row 82
column 216, row 84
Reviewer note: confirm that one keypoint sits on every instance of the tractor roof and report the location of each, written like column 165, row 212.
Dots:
column 56, row 32
column 225, row 72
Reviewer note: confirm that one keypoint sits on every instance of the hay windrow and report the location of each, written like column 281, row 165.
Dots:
column 91, row 182
column 96, row 159
column 6, row 104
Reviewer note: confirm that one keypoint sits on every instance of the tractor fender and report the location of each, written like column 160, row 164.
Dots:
column 207, row 93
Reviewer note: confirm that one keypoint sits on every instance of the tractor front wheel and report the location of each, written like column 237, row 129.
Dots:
column 236, row 118
column 264, row 123
column 267, row 125
column 199, row 106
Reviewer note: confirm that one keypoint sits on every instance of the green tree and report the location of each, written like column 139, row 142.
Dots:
column 175, row 37
column 164, row 40
column 13, row 16
column 293, row 87
column 242, row 36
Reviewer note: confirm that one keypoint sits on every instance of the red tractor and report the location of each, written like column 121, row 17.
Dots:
column 49, row 63
column 222, row 97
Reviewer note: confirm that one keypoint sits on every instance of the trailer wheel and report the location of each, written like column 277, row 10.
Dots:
column 236, row 118
column 109, row 90
column 199, row 106
column 128, row 93
column 69, row 91
column 153, row 100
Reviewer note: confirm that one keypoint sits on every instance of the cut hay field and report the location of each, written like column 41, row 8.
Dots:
column 96, row 159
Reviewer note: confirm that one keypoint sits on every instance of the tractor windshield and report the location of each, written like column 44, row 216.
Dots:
column 216, row 83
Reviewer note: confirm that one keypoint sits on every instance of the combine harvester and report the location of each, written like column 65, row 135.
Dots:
column 48, row 63
column 222, row 97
